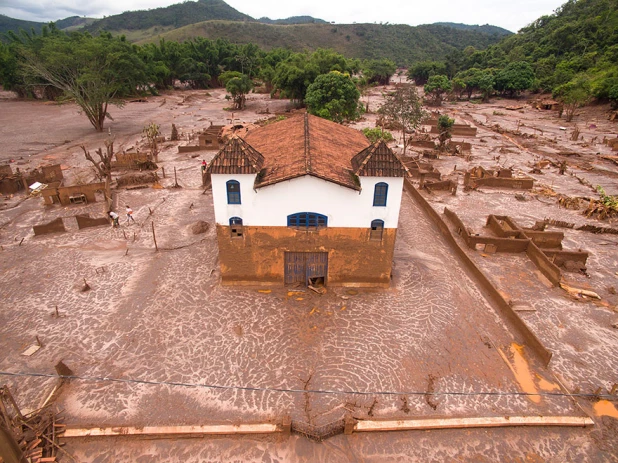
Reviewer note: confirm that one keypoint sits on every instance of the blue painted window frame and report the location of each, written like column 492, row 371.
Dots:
column 307, row 220
column 235, row 221
column 233, row 191
column 377, row 229
column 380, row 193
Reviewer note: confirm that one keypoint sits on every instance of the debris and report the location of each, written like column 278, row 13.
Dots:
column 36, row 434
column 31, row 350
column 86, row 286
column 579, row 292
column 265, row 291
column 320, row 290
column 200, row 227
column 559, row 223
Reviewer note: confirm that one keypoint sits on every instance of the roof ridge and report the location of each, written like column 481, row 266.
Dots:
column 307, row 145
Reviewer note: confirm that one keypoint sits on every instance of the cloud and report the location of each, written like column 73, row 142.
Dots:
column 509, row 14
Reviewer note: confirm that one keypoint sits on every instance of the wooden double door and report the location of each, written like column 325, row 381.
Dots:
column 306, row 268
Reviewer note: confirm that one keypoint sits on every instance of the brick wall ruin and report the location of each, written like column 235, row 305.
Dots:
column 75, row 194
column 55, row 226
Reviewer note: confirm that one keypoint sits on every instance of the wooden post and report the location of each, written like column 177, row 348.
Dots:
column 154, row 237
column 163, row 171
column 175, row 178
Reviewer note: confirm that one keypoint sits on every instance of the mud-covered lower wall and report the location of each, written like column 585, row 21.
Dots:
column 505, row 309
column 258, row 257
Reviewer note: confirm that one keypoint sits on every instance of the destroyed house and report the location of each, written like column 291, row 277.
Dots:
column 306, row 201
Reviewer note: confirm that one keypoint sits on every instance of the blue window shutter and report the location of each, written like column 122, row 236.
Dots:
column 380, row 194
column 233, row 192
column 307, row 220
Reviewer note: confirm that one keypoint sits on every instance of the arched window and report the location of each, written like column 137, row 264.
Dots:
column 233, row 192
column 236, row 228
column 377, row 228
column 306, row 220
column 380, row 193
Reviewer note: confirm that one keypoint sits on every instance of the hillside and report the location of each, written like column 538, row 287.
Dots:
column 576, row 44
column 485, row 28
column 174, row 16
column 74, row 23
column 292, row 20
column 401, row 43
column 10, row 24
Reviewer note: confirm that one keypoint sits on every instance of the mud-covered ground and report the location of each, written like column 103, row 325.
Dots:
column 161, row 323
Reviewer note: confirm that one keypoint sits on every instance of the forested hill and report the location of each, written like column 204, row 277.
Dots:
column 575, row 46
column 10, row 24
column 485, row 28
column 177, row 15
column 400, row 43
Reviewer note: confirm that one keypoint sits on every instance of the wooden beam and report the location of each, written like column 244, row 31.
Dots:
column 262, row 428
column 477, row 422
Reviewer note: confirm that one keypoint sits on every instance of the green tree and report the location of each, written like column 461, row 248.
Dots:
column 376, row 133
column 573, row 95
column 93, row 71
column 421, row 72
column 379, row 71
column 404, row 108
column 445, row 126
column 333, row 96
column 294, row 75
column 515, row 78
column 486, row 83
column 436, row 87
column 238, row 85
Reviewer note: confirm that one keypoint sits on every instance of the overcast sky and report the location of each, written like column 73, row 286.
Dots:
column 510, row 14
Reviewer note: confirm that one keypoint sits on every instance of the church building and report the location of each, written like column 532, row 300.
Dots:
column 306, row 201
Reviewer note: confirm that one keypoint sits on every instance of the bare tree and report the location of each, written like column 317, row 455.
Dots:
column 152, row 132
column 103, row 165
column 404, row 108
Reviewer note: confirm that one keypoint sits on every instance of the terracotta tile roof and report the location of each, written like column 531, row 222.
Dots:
column 236, row 157
column 307, row 145
column 378, row 160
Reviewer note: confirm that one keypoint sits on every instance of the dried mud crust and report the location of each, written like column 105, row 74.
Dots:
column 164, row 317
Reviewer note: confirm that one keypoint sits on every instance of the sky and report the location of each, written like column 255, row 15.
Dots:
column 509, row 14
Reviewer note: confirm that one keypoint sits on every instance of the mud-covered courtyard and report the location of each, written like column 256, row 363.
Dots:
column 157, row 341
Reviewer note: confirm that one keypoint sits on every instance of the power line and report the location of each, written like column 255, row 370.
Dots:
column 298, row 391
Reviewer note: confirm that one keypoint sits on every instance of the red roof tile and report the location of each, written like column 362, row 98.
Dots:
column 236, row 157
column 306, row 145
